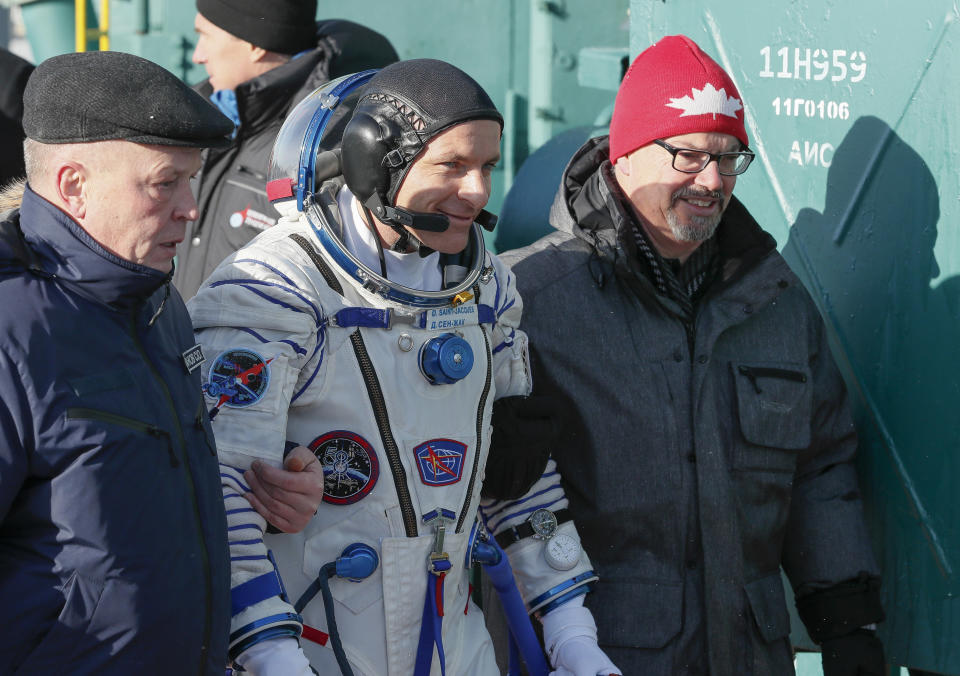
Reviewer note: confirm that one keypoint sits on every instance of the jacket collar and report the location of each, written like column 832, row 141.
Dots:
column 61, row 249
column 265, row 98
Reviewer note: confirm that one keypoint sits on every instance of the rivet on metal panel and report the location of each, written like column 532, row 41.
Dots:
column 566, row 60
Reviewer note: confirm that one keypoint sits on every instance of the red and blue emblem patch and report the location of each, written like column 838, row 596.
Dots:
column 238, row 378
column 440, row 461
column 350, row 466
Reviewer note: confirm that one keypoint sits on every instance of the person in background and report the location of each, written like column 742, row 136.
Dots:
column 710, row 440
column 113, row 548
column 15, row 73
column 261, row 57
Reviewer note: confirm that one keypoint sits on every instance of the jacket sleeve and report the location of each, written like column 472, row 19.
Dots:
column 263, row 338
column 541, row 586
column 826, row 539
column 14, row 414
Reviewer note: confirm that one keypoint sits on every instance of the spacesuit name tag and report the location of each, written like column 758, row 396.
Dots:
column 451, row 318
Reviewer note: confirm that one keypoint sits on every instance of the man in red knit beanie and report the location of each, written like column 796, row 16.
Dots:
column 709, row 440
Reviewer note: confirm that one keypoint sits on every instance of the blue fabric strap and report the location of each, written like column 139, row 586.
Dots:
column 254, row 591
column 363, row 316
column 381, row 319
column 522, row 634
column 487, row 314
column 431, row 625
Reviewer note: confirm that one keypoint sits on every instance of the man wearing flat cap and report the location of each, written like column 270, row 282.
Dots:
column 113, row 555
column 261, row 58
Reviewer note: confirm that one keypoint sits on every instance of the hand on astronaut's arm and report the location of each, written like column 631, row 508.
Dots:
column 570, row 639
column 287, row 498
column 275, row 657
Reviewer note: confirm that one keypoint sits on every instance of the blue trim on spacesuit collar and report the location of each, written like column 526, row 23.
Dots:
column 375, row 283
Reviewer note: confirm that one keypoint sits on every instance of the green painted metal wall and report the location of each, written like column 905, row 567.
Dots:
column 524, row 52
column 854, row 111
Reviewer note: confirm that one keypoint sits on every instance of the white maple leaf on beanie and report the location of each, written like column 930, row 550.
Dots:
column 707, row 101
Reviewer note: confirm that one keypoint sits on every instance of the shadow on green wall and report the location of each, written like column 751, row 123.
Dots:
column 869, row 261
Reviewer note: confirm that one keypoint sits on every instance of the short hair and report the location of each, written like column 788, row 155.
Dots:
column 37, row 158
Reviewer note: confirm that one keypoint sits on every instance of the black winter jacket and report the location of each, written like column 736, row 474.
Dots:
column 694, row 469
column 231, row 186
column 113, row 547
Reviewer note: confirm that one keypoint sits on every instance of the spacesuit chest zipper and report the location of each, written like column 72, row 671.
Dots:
column 382, row 417
column 479, row 444
column 205, row 555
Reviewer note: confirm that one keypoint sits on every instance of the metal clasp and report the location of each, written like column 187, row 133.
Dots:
column 439, row 559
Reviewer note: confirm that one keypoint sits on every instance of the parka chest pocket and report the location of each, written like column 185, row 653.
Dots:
column 137, row 430
column 774, row 403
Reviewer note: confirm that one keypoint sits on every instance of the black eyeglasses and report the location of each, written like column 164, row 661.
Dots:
column 691, row 161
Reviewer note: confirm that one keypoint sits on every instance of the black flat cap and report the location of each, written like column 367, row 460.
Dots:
column 102, row 96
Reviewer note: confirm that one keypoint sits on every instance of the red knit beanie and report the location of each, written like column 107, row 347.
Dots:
column 674, row 88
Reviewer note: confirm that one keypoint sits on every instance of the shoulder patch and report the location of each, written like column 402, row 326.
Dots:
column 238, row 377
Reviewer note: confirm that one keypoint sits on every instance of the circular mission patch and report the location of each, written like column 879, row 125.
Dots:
column 350, row 466
column 238, row 378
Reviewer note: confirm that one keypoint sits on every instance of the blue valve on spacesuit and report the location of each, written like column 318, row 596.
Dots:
column 357, row 562
column 445, row 359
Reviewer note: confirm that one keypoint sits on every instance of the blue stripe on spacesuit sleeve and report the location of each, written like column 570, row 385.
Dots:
column 529, row 510
column 296, row 348
column 239, row 484
column 513, row 505
column 245, row 526
column 516, row 503
column 240, row 510
column 249, row 558
column 295, row 290
column 270, row 268
column 320, row 343
column 248, row 284
column 506, row 307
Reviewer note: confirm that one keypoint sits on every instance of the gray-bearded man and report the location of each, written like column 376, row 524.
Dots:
column 712, row 440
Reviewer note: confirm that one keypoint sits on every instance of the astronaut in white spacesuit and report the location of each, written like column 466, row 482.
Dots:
column 372, row 327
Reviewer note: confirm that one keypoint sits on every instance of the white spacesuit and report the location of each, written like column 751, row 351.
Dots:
column 389, row 377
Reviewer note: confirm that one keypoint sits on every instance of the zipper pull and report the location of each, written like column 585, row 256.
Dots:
column 751, row 376
column 198, row 423
column 155, row 431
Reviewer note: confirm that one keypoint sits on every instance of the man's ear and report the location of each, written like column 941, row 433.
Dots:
column 257, row 54
column 623, row 165
column 70, row 185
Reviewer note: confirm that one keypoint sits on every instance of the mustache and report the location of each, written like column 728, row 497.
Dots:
column 689, row 192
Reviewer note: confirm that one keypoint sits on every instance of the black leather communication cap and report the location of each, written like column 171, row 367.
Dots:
column 423, row 97
column 102, row 96
column 284, row 26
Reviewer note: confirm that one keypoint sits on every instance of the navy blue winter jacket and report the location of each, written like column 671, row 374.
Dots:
column 113, row 550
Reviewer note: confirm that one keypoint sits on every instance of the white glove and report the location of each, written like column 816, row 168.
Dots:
column 570, row 639
column 275, row 657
